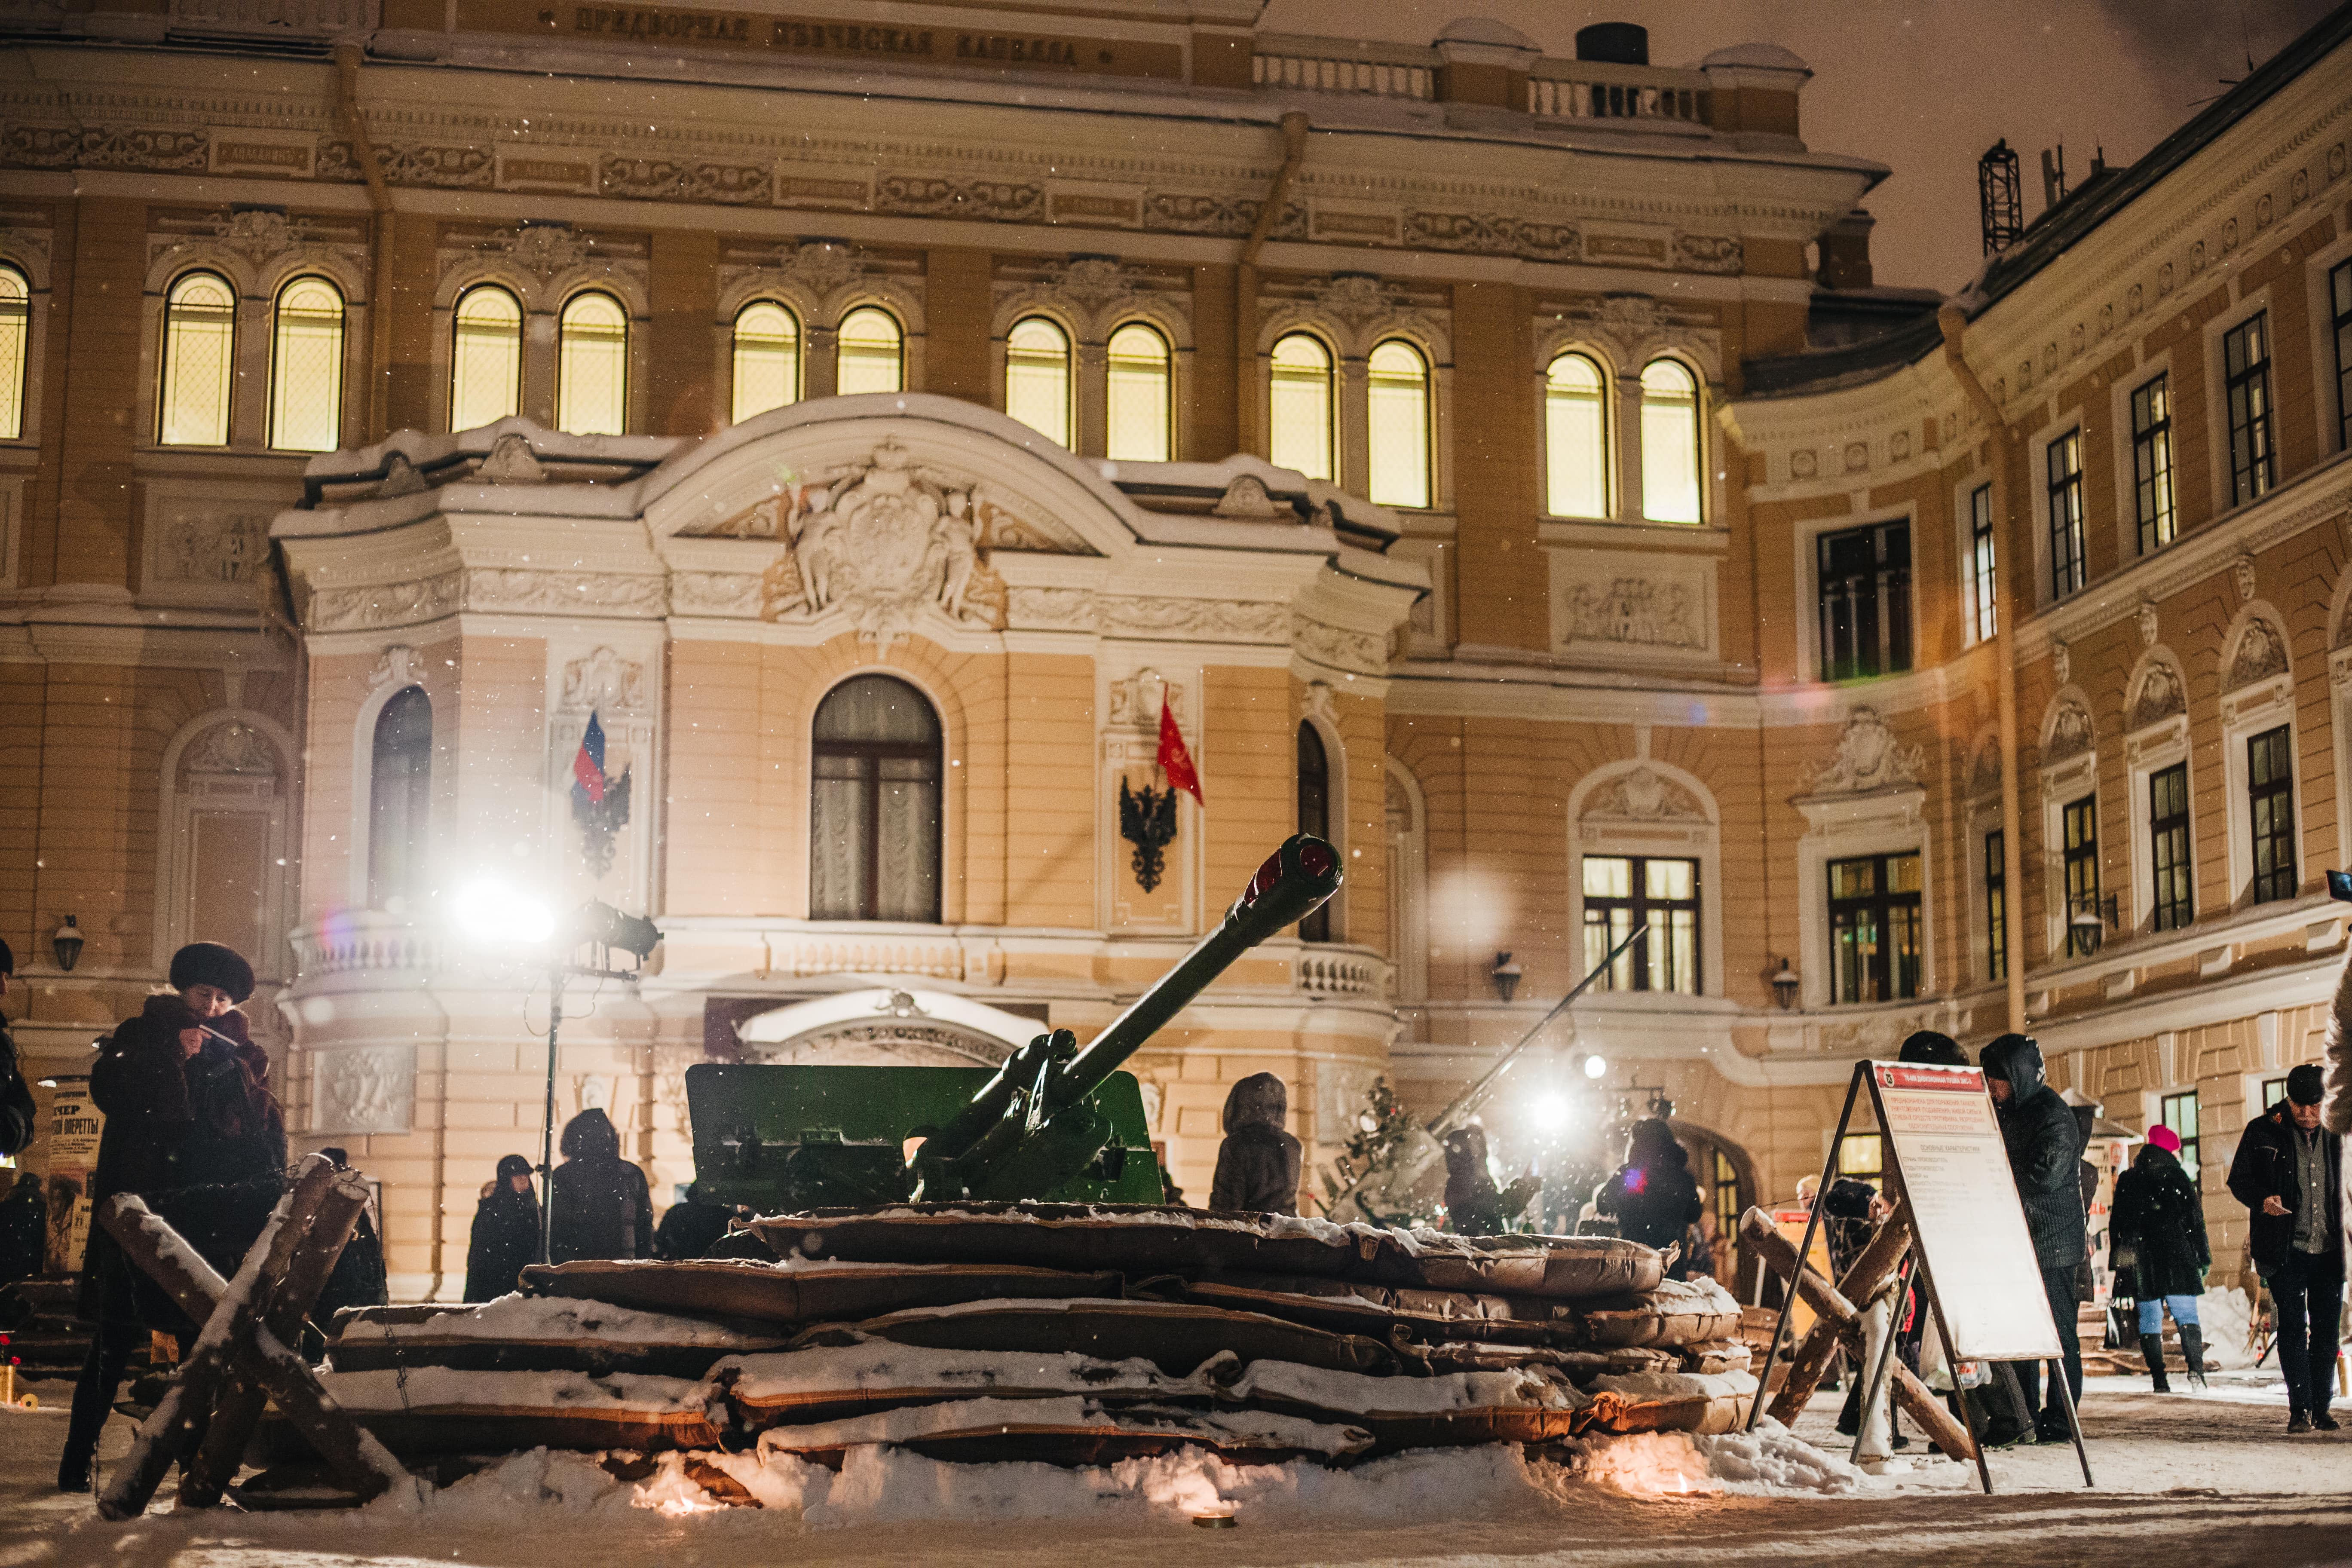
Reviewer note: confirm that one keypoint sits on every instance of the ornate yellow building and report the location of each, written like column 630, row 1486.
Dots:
column 1503, row 464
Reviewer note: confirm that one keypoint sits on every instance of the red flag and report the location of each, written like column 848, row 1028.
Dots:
column 1174, row 760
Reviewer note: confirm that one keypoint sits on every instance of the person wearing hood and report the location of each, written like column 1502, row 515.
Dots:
column 1473, row 1204
column 2156, row 1239
column 191, row 1127
column 18, row 1121
column 2289, row 1172
column 2044, row 1144
column 1652, row 1197
column 691, row 1226
column 598, row 1205
column 506, row 1231
column 1257, row 1164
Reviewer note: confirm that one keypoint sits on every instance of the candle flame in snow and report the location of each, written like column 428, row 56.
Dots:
column 1651, row 1464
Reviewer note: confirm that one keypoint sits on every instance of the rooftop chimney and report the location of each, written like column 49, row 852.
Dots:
column 1845, row 251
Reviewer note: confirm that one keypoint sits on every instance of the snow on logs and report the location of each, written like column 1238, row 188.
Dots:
column 1068, row 1333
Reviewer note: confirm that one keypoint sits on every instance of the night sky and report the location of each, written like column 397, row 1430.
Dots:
column 1922, row 88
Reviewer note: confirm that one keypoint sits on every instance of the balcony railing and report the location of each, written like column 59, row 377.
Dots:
column 1342, row 971
column 1591, row 89
column 1325, row 65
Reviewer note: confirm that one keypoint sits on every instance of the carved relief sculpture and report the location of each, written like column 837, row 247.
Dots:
column 1644, row 795
column 2160, row 696
column 2261, row 653
column 1869, row 758
column 2071, row 733
column 1631, row 610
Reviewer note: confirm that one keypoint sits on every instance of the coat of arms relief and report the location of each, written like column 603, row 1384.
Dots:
column 885, row 540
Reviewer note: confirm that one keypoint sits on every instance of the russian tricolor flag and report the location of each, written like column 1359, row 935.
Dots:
column 588, row 767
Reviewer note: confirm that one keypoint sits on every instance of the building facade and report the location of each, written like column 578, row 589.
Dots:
column 872, row 427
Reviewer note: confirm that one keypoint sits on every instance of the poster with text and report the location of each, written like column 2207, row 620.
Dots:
column 75, row 1124
column 1946, row 1144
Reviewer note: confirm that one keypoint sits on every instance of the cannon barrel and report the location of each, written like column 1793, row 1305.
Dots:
column 1051, row 1074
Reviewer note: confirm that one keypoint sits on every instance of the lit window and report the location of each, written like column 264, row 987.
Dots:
column 2080, row 825
column 1996, row 876
column 1862, row 1156
column 1300, row 411
column 1876, row 937
column 873, row 809
column 1314, row 816
column 2178, row 1111
column 16, row 339
column 872, row 353
column 486, row 360
column 2270, row 791
column 306, row 368
column 1037, row 377
column 1398, row 398
column 1984, row 576
column 400, row 804
column 591, row 366
column 2168, row 832
column 1669, row 444
column 2068, row 568
column 767, row 359
column 2151, row 417
column 199, row 344
column 1621, row 891
column 2246, row 388
column 2339, row 308
column 1139, row 398
column 1576, row 438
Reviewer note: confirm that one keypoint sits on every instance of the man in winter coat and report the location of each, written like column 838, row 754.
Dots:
column 191, row 1126
column 1257, row 1164
column 18, row 1117
column 2290, row 1171
column 598, row 1203
column 693, row 1226
column 1652, row 1197
column 23, row 1232
column 2156, row 1238
column 1473, row 1204
column 2045, row 1145
column 506, row 1231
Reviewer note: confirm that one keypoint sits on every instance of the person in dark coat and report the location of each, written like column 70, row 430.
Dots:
column 1257, row 1164
column 1652, row 1195
column 2290, row 1172
column 359, row 1279
column 19, row 1120
column 24, row 1230
column 1473, row 1204
column 2044, row 1144
column 506, row 1231
column 2156, row 1239
column 598, row 1205
column 693, row 1226
column 191, row 1127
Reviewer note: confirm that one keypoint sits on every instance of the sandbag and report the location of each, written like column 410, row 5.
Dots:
column 1357, row 1313
column 1677, row 1313
column 1143, row 1241
column 436, row 1410
column 1070, row 1431
column 1673, row 1401
column 521, row 1333
column 1173, row 1336
column 799, row 1291
column 833, row 1383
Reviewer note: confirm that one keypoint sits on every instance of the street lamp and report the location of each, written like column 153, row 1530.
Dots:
column 1506, row 976
column 66, row 943
column 1784, row 986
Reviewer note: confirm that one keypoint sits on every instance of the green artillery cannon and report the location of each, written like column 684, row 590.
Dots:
column 1055, row 1122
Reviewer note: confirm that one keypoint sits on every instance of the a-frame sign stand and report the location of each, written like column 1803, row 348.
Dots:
column 1956, row 1201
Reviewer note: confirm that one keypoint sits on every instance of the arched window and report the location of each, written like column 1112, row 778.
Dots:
column 15, row 346
column 874, row 803
column 872, row 352
column 1314, row 815
column 1398, row 399
column 1300, row 407
column 400, row 805
column 591, row 366
column 1576, row 438
column 1140, row 403
column 767, row 359
column 306, row 367
column 199, row 346
column 1670, row 447
column 1037, row 377
column 486, row 360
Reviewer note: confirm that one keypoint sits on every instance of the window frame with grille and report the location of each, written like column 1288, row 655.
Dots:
column 1983, row 567
column 1882, row 971
column 2250, row 415
column 1996, row 885
column 1574, row 462
column 2339, row 313
column 15, row 350
column 2182, row 1112
column 2173, row 881
column 2270, row 815
column 2154, row 503
column 1127, row 378
column 744, row 354
column 1314, row 782
column 323, row 398
column 869, row 758
column 400, row 800
column 1680, row 921
column 180, row 379
column 1858, row 606
column 2078, row 828
column 2062, row 488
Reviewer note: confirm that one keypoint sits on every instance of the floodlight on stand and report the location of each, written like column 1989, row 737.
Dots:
column 65, row 942
column 598, row 922
column 1551, row 1111
column 1506, row 976
column 491, row 912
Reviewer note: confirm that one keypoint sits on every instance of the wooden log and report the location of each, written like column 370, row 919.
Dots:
column 311, row 1258
column 229, row 1325
column 1838, row 1322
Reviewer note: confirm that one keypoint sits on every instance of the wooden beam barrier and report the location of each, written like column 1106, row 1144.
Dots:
column 1838, row 1322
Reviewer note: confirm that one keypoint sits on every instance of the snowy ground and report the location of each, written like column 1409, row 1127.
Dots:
column 2196, row 1479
